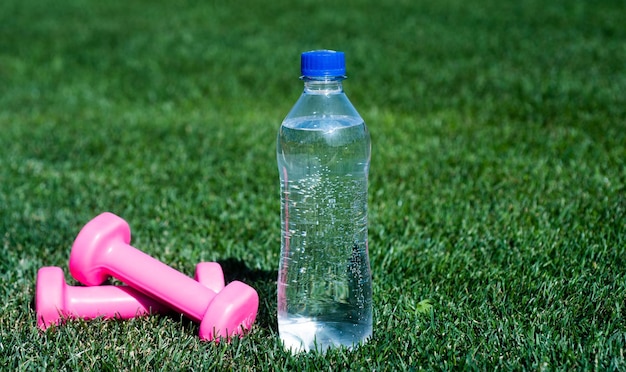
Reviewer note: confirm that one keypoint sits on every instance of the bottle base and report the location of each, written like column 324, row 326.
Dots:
column 301, row 334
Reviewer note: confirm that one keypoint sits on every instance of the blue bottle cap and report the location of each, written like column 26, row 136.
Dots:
column 323, row 63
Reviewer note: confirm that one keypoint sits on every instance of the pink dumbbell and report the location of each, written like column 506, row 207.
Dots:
column 55, row 300
column 102, row 249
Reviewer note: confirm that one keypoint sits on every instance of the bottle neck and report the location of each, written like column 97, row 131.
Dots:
column 325, row 85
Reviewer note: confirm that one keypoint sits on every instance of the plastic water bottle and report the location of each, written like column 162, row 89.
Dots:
column 323, row 151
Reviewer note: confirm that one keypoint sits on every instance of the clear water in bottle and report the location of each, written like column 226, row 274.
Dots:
column 324, row 280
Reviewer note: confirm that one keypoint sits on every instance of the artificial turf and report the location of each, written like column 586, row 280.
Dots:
column 497, row 201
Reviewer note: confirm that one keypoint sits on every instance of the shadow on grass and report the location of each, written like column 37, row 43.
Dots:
column 263, row 281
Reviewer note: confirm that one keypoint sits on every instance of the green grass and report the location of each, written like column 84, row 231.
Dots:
column 497, row 187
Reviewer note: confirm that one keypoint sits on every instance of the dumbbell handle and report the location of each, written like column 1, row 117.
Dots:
column 158, row 280
column 84, row 300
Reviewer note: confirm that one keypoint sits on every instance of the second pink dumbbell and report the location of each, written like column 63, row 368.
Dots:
column 102, row 249
column 55, row 300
